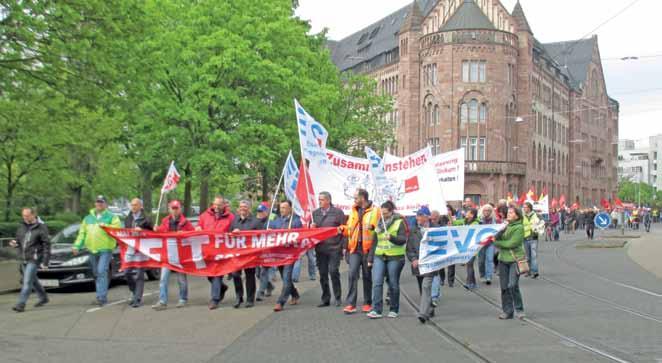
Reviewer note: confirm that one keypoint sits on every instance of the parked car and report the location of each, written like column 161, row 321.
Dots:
column 65, row 269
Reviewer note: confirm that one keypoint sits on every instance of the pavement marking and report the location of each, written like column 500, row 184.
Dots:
column 644, row 291
column 115, row 303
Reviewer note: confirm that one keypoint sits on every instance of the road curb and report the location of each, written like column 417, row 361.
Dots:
column 645, row 252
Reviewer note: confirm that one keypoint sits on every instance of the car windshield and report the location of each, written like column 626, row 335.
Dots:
column 67, row 235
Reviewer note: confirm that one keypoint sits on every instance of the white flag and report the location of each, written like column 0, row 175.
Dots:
column 171, row 179
column 385, row 188
column 291, row 178
column 312, row 135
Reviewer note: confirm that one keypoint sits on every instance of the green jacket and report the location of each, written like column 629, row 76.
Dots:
column 511, row 242
column 92, row 237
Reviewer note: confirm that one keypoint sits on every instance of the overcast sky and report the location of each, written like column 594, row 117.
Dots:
column 637, row 85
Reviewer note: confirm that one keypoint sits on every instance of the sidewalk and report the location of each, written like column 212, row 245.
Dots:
column 647, row 251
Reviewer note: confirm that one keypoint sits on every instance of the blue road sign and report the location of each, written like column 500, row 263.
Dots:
column 602, row 220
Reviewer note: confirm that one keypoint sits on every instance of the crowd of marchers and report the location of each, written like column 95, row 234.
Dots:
column 373, row 240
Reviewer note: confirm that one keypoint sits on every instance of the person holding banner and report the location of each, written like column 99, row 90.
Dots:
column 329, row 252
column 174, row 222
column 99, row 243
column 486, row 254
column 388, row 256
column 530, row 221
column 217, row 218
column 287, row 220
column 470, row 218
column 244, row 222
column 511, row 246
column 360, row 233
column 135, row 277
column 451, row 268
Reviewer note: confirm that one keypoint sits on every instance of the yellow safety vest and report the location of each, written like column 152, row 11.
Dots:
column 386, row 247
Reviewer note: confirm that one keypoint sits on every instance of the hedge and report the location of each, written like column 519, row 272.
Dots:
column 8, row 229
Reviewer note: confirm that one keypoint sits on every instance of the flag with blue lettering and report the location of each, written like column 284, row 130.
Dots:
column 446, row 246
column 384, row 188
column 291, row 178
column 312, row 135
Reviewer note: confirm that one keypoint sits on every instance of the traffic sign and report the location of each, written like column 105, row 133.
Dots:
column 602, row 220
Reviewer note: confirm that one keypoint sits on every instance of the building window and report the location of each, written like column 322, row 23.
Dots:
column 473, row 112
column 434, row 145
column 476, row 150
column 474, row 71
column 430, row 74
column 482, row 115
column 435, row 115
column 464, row 113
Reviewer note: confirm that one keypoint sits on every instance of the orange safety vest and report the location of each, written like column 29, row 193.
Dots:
column 370, row 219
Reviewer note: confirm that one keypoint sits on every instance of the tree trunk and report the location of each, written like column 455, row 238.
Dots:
column 76, row 197
column 204, row 189
column 187, row 189
column 146, row 189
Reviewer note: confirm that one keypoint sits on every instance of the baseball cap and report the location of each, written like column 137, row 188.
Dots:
column 175, row 204
column 423, row 211
column 101, row 199
column 261, row 208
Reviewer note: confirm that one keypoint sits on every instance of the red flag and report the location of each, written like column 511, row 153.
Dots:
column 555, row 203
column 562, row 201
column 604, row 203
column 171, row 179
column 305, row 193
column 574, row 206
column 531, row 194
column 522, row 199
column 618, row 202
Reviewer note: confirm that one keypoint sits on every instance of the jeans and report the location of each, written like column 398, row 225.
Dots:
column 471, row 274
column 100, row 263
column 486, row 262
column 296, row 272
column 511, row 297
column 216, row 288
column 135, row 278
column 288, row 285
column 358, row 264
column 182, row 281
column 531, row 248
column 266, row 275
column 381, row 266
column 328, row 264
column 425, row 307
column 436, row 287
column 30, row 281
column 239, row 285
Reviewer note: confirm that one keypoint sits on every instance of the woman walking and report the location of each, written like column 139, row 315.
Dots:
column 511, row 249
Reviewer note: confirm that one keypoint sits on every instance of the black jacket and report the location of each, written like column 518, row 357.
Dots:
column 143, row 221
column 334, row 218
column 414, row 244
column 33, row 242
column 250, row 223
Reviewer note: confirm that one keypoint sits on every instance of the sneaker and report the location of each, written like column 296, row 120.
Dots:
column 213, row 305
column 159, row 306
column 181, row 304
column 41, row 303
column 238, row 303
column 249, row 305
column 374, row 315
column 136, row 304
column 18, row 308
column 278, row 308
column 393, row 314
column 98, row 303
column 435, row 303
column 535, row 275
column 423, row 319
column 349, row 309
column 260, row 296
column 488, row 282
column 520, row 315
column 505, row 317
column 366, row 308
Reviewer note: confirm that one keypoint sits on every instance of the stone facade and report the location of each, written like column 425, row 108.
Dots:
column 469, row 73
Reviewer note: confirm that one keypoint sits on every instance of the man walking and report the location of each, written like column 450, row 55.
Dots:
column 360, row 232
column 217, row 219
column 93, row 238
column 264, row 274
column 174, row 222
column 35, row 249
column 287, row 220
column 329, row 252
column 244, row 222
column 531, row 221
column 135, row 277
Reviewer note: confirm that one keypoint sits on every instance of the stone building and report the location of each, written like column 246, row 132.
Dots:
column 470, row 73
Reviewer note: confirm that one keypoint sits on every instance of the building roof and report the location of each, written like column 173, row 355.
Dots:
column 413, row 20
column 468, row 16
column 575, row 56
column 520, row 18
column 375, row 39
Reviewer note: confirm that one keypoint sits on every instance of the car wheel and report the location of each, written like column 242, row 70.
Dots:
column 153, row 274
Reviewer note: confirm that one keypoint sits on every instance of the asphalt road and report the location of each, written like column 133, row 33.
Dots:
column 592, row 305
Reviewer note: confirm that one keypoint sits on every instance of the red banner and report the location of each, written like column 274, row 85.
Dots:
column 214, row 254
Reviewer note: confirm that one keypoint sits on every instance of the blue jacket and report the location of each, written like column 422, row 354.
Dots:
column 284, row 223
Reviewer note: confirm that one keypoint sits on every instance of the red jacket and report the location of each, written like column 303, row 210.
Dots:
column 209, row 221
column 184, row 225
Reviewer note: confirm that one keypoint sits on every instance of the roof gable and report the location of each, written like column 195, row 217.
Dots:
column 576, row 55
column 468, row 16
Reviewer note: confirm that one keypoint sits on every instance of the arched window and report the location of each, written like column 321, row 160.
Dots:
column 429, row 116
column 426, row 120
column 464, row 113
column 435, row 115
column 482, row 115
column 473, row 111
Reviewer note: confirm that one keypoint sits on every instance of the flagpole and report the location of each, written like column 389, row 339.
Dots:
column 158, row 209
column 273, row 201
column 305, row 173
